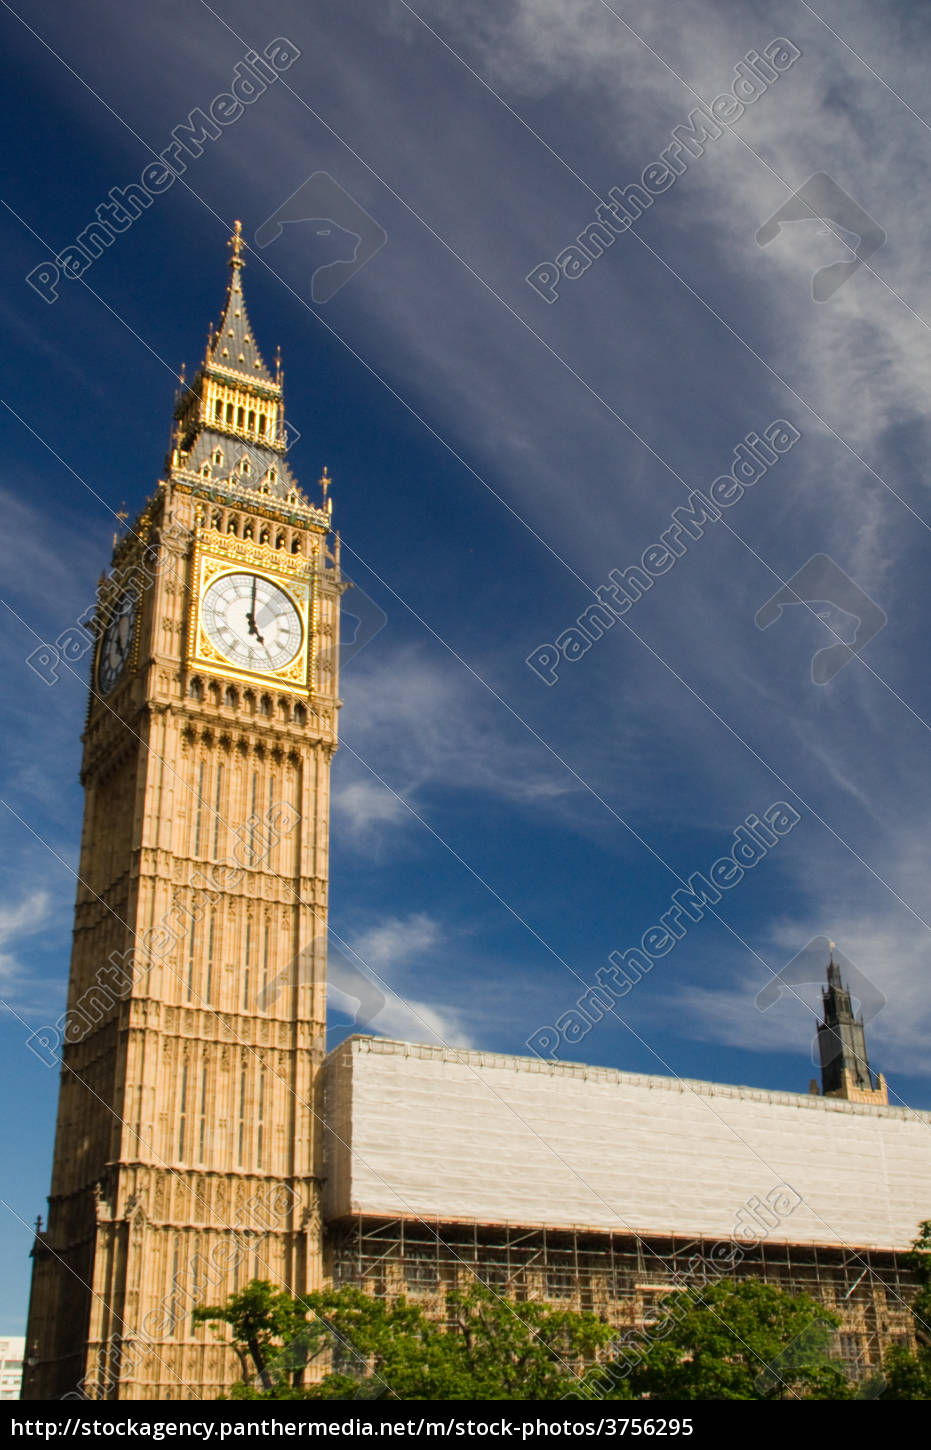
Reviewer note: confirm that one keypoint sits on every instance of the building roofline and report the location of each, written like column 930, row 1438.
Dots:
column 545, row 1067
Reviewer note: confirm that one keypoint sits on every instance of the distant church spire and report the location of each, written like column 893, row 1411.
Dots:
column 845, row 1071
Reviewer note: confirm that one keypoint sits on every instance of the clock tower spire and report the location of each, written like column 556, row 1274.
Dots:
column 187, row 1151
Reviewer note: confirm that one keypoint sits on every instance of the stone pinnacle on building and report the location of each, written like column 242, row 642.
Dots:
column 845, row 1069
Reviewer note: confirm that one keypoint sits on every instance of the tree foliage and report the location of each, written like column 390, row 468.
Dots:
column 263, row 1320
column 488, row 1348
column 729, row 1341
column 720, row 1341
column 907, row 1373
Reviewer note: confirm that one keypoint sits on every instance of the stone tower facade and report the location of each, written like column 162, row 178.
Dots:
column 187, row 1152
column 845, row 1070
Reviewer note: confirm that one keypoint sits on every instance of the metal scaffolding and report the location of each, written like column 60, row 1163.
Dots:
column 621, row 1277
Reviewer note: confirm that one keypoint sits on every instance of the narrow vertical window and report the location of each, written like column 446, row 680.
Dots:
column 265, row 964
column 210, row 936
column 176, row 1318
column 190, row 962
column 200, row 808
column 252, row 817
column 242, row 1114
column 248, row 962
column 268, row 862
column 216, row 817
column 260, row 1120
column 183, row 1119
column 203, row 1116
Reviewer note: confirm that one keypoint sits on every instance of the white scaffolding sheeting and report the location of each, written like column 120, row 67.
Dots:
column 460, row 1135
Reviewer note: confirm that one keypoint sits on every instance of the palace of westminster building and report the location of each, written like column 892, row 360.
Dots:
column 204, row 1136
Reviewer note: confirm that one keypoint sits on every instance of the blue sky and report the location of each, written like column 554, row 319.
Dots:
column 494, row 839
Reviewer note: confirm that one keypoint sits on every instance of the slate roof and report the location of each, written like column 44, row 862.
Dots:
column 262, row 461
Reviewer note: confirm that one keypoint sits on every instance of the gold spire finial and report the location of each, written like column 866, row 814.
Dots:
column 325, row 481
column 236, row 244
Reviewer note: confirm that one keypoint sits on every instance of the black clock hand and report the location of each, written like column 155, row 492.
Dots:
column 250, row 618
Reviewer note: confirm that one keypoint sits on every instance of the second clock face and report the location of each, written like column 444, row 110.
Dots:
column 116, row 643
column 252, row 622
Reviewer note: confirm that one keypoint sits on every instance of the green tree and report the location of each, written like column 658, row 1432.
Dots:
column 263, row 1321
column 729, row 1341
column 907, row 1372
column 487, row 1348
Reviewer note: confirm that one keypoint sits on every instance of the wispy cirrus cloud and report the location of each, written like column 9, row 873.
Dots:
column 381, row 974
column 20, row 921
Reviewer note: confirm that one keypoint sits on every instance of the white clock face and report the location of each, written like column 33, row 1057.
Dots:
column 116, row 643
column 252, row 622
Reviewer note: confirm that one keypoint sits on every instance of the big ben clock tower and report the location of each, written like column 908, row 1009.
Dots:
column 187, row 1150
